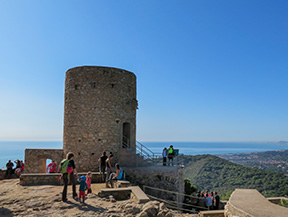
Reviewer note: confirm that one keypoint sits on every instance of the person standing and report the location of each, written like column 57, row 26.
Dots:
column 216, row 200
column 170, row 155
column 65, row 177
column 88, row 182
column 102, row 166
column 164, row 154
column 109, row 169
column 51, row 168
column 9, row 167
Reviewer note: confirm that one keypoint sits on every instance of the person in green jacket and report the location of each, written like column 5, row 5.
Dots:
column 170, row 155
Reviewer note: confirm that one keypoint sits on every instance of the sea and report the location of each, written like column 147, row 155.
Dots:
column 12, row 150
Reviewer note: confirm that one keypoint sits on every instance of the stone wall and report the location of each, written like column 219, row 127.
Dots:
column 166, row 178
column 100, row 108
column 35, row 159
column 51, row 178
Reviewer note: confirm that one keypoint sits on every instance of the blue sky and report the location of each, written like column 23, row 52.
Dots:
column 206, row 70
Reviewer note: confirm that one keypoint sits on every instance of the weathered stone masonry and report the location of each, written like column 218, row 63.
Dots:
column 99, row 115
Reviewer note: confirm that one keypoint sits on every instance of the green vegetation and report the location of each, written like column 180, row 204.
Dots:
column 208, row 172
column 188, row 187
column 283, row 203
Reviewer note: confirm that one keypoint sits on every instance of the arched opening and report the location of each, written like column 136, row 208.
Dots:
column 51, row 166
column 48, row 162
column 126, row 135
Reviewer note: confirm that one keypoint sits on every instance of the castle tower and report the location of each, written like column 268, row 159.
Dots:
column 99, row 113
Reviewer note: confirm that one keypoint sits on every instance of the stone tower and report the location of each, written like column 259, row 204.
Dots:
column 99, row 114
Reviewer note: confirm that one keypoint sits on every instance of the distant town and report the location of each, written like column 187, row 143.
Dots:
column 276, row 161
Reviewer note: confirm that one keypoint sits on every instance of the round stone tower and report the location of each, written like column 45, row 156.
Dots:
column 99, row 114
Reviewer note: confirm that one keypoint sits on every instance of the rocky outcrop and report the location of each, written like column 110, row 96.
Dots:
column 45, row 200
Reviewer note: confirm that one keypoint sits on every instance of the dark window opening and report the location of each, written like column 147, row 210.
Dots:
column 79, row 140
column 112, row 85
column 94, row 85
column 78, row 153
column 126, row 135
column 76, row 87
column 92, row 154
column 99, row 139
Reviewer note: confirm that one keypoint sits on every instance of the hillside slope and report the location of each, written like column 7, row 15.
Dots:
column 208, row 172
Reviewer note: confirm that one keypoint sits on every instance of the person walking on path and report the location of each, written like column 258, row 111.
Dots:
column 69, row 175
column 164, row 154
column 170, row 155
column 102, row 165
column 109, row 169
column 82, row 188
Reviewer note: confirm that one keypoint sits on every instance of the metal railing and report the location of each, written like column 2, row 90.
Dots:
column 155, row 159
column 174, row 204
column 125, row 142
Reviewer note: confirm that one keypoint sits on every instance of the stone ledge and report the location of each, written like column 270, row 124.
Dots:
column 51, row 178
column 212, row 213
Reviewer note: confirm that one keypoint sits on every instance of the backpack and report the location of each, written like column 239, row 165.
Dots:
column 66, row 166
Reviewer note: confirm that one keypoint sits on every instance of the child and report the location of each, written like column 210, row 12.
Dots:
column 88, row 182
column 82, row 188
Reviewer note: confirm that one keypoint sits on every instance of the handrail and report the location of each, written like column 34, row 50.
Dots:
column 172, row 192
column 143, row 146
column 171, row 203
column 149, row 155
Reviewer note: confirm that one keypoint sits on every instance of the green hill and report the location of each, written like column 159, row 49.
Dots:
column 208, row 172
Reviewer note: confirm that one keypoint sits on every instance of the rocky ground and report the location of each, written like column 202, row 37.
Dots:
column 17, row 200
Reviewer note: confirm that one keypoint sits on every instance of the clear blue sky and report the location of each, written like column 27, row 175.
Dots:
column 206, row 70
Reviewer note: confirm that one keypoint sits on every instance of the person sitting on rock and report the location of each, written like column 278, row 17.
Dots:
column 82, row 188
column 19, row 168
column 115, row 176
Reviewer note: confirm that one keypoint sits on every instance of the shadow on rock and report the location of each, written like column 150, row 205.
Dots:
column 86, row 207
column 5, row 212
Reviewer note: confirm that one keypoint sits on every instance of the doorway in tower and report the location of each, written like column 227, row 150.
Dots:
column 126, row 135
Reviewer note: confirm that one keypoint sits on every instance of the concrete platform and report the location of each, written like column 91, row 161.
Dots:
column 133, row 192
column 250, row 203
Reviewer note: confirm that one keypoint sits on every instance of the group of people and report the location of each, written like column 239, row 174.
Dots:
column 210, row 201
column 170, row 154
column 17, row 170
column 68, row 172
column 85, row 181
column 105, row 165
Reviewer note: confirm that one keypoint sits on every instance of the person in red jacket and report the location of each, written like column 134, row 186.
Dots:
column 51, row 168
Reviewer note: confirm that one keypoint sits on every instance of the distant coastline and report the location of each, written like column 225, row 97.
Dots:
column 12, row 150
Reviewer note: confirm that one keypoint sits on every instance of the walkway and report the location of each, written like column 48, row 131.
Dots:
column 249, row 202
